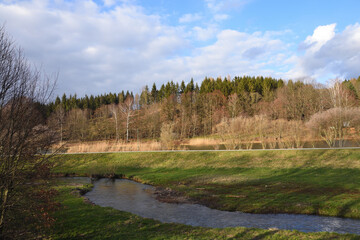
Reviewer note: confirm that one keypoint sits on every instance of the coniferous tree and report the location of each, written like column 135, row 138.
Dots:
column 144, row 97
column 64, row 102
column 161, row 92
column 121, row 97
column 57, row 101
column 182, row 87
column 154, row 94
column 190, row 86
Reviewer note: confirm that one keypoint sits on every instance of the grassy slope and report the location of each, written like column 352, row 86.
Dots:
column 325, row 182
column 79, row 220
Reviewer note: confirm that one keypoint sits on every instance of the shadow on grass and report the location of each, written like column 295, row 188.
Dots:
column 265, row 235
column 348, row 207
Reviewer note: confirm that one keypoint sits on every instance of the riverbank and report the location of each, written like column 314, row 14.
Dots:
column 321, row 182
column 78, row 219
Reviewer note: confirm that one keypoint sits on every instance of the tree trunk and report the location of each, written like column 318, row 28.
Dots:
column 4, row 196
column 127, row 127
column 116, row 127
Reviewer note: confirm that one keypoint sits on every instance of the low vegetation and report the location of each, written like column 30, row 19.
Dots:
column 109, row 146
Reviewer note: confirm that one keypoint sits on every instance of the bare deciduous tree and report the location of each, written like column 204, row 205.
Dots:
column 114, row 110
column 23, row 135
column 237, row 133
column 167, row 136
column 334, row 124
column 127, row 109
column 59, row 116
column 234, row 105
column 338, row 95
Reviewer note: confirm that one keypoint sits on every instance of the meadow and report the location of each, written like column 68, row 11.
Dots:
column 321, row 182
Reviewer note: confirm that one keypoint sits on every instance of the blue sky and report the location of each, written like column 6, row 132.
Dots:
column 113, row 45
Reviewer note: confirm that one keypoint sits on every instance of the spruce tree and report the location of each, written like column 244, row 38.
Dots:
column 182, row 87
column 154, row 94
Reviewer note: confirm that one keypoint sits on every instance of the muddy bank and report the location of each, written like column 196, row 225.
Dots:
column 168, row 195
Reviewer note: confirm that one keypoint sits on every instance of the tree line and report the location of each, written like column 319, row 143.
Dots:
column 189, row 110
column 239, row 85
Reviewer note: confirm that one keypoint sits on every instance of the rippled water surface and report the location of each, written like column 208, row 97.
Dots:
column 139, row 199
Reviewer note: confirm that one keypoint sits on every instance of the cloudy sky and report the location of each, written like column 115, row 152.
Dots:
column 113, row 45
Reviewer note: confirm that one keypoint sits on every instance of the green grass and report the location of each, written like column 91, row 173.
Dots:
column 80, row 220
column 103, row 162
column 322, row 182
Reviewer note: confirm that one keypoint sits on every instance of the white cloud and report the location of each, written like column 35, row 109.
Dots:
column 236, row 53
column 328, row 53
column 109, row 3
column 225, row 5
column 90, row 47
column 91, row 51
column 188, row 18
column 204, row 34
column 321, row 35
column 97, row 51
column 213, row 5
column 220, row 17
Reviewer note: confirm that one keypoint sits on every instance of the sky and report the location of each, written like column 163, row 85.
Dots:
column 102, row 46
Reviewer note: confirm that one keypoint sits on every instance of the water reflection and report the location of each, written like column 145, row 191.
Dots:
column 139, row 199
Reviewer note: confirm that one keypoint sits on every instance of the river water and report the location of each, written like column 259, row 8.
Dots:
column 139, row 199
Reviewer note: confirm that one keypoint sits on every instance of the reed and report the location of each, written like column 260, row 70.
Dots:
column 204, row 141
column 111, row 146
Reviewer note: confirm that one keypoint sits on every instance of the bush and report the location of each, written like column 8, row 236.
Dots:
column 167, row 135
column 334, row 124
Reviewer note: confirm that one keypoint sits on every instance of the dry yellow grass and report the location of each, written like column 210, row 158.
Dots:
column 203, row 141
column 111, row 146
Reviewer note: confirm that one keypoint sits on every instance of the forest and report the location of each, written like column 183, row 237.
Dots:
column 238, row 112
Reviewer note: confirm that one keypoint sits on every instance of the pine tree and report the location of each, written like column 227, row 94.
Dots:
column 161, row 94
column 190, row 86
column 280, row 83
column 121, row 97
column 182, row 87
column 154, row 94
column 57, row 101
column 144, row 97
column 64, row 102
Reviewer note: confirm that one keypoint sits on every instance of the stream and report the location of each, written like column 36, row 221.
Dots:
column 139, row 199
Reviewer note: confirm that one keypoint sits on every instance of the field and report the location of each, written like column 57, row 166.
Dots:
column 322, row 182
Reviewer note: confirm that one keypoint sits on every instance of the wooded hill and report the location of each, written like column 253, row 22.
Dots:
column 188, row 110
column 239, row 85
